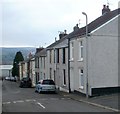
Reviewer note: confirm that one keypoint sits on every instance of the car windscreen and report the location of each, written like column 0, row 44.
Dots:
column 26, row 79
column 48, row 82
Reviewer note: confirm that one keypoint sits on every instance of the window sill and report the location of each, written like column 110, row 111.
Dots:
column 81, row 87
column 71, row 60
column 81, row 60
column 64, row 85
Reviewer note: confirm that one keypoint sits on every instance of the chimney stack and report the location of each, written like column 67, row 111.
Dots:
column 76, row 28
column 39, row 49
column 62, row 34
column 105, row 9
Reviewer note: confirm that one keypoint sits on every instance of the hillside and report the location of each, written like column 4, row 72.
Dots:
column 8, row 54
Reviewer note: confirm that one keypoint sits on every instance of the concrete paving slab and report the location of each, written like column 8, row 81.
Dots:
column 110, row 101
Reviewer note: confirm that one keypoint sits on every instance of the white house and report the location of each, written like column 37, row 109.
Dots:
column 41, row 65
column 94, row 60
column 32, row 71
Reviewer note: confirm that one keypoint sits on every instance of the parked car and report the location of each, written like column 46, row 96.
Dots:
column 46, row 85
column 25, row 82
column 7, row 78
column 13, row 78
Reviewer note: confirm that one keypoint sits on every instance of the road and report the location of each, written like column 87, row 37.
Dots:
column 15, row 99
column 0, row 96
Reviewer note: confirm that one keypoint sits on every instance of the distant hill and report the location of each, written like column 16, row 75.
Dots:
column 8, row 54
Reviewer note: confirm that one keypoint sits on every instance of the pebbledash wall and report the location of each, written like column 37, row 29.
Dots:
column 103, row 57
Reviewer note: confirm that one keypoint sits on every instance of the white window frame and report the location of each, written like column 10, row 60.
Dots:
column 41, row 62
column 81, row 78
column 71, row 51
column 81, row 50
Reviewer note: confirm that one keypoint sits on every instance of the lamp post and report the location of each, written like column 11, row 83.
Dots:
column 86, row 53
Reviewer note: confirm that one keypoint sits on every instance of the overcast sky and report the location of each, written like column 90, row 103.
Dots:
column 38, row 22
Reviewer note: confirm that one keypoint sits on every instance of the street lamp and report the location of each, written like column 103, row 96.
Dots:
column 86, row 53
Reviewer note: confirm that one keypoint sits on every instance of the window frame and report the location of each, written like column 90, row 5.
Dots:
column 81, row 78
column 64, row 77
column 71, row 51
column 64, row 55
column 81, row 50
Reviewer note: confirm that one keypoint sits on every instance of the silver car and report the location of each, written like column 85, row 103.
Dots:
column 46, row 85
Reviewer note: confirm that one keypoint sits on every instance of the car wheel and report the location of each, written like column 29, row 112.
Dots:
column 35, row 91
column 20, row 86
column 39, row 91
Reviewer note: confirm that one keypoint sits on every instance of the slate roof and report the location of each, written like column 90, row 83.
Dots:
column 98, row 22
column 91, row 26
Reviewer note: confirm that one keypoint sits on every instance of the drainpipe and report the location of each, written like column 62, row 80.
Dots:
column 69, row 65
column 87, row 94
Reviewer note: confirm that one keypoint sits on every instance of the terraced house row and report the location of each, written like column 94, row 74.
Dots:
column 81, row 62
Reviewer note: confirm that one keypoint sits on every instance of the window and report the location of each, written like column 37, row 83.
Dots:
column 81, row 50
column 36, row 62
column 57, row 55
column 71, row 51
column 54, row 76
column 81, row 78
column 54, row 55
column 64, row 77
column 41, row 76
column 44, row 76
column 63, row 55
column 50, row 56
column 37, row 77
column 44, row 62
column 50, row 73
column 41, row 62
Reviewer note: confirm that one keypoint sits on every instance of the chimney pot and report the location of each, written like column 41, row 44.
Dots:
column 65, row 31
column 62, row 34
column 104, row 6
column 75, row 28
column 105, row 9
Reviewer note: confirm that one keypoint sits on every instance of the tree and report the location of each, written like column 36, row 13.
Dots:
column 18, row 57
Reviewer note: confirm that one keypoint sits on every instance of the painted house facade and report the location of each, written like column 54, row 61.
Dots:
column 23, row 69
column 32, row 71
column 58, row 62
column 41, row 65
column 57, row 57
column 94, row 60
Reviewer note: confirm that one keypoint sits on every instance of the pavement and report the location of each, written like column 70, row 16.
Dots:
column 110, row 101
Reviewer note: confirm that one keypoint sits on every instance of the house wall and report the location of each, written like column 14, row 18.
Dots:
column 43, row 68
column 62, row 67
column 103, row 56
column 26, row 70
column 23, row 69
column 20, row 70
column 37, row 69
column 119, row 49
column 76, row 64
column 32, row 72
column 57, row 68
column 51, row 65
column 102, row 59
